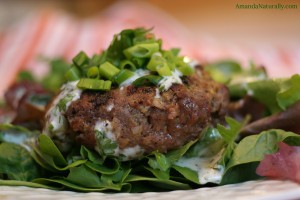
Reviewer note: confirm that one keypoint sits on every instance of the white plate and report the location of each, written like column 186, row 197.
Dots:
column 252, row 190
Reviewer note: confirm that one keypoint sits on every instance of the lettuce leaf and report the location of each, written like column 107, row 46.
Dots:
column 84, row 169
column 289, row 93
column 251, row 150
column 276, row 94
column 16, row 163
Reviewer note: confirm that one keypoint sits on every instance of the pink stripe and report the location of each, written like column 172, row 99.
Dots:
column 53, row 44
column 16, row 50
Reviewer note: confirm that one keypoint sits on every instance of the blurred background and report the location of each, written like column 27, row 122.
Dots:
column 206, row 18
column 205, row 30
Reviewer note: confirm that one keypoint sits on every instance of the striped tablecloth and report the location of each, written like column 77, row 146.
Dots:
column 51, row 34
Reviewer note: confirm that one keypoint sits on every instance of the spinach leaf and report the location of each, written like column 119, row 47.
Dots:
column 17, row 135
column 91, row 155
column 165, row 184
column 290, row 95
column 27, row 184
column 48, row 147
column 275, row 94
column 112, row 168
column 17, row 163
column 222, row 71
column 84, row 176
column 50, row 157
column 164, row 161
column 251, row 150
column 231, row 72
column 189, row 174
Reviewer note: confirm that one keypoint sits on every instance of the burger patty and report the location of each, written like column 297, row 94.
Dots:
column 143, row 116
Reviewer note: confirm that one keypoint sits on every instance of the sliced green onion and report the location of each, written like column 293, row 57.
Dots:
column 123, row 75
column 94, row 84
column 170, row 58
column 73, row 74
column 147, row 80
column 127, row 64
column 149, row 38
column 141, row 50
column 155, row 60
column 108, row 70
column 96, row 59
column 81, row 59
column 139, row 62
column 164, row 70
column 175, row 51
column 186, row 70
column 183, row 67
column 159, row 41
column 93, row 72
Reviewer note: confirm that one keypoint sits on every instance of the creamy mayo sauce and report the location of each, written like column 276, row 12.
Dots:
column 130, row 152
column 208, row 169
column 56, row 124
column 110, row 107
column 105, row 127
column 137, row 74
column 157, row 93
column 168, row 81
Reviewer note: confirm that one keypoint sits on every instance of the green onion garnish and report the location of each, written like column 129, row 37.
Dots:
column 73, row 74
column 127, row 64
column 163, row 70
column 186, row 70
column 93, row 72
column 139, row 62
column 141, row 50
column 170, row 58
column 147, row 80
column 130, row 50
column 156, row 60
column 81, row 59
column 123, row 75
column 108, row 70
column 94, row 84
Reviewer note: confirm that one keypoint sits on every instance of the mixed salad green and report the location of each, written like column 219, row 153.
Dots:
column 222, row 155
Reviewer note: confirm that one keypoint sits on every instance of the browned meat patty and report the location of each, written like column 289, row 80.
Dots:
column 139, row 116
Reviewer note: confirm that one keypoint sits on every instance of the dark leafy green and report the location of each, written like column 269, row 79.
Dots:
column 291, row 94
column 251, row 150
column 275, row 94
column 53, row 80
column 88, row 171
column 16, row 163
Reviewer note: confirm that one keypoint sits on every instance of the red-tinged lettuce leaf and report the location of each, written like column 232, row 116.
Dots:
column 283, row 164
column 251, row 150
column 285, row 120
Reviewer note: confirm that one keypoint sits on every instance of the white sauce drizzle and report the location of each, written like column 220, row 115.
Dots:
column 208, row 169
column 137, row 74
column 110, row 107
column 105, row 127
column 157, row 93
column 56, row 122
column 167, row 81
column 129, row 152
column 19, row 94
